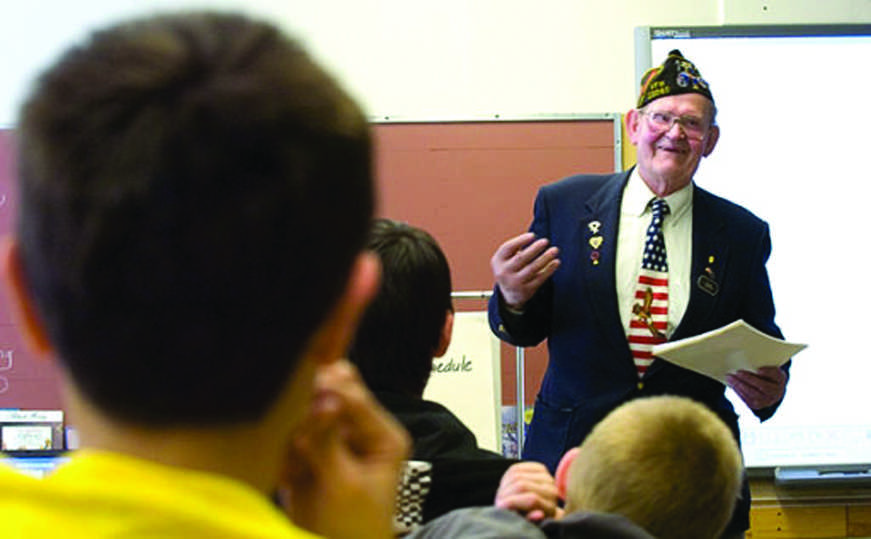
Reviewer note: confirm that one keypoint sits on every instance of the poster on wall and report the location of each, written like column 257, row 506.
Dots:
column 467, row 379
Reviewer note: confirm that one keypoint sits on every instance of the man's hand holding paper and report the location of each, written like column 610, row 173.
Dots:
column 738, row 355
column 760, row 389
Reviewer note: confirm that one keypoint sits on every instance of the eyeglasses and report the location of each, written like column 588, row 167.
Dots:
column 693, row 126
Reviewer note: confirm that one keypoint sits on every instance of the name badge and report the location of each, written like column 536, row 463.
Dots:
column 708, row 285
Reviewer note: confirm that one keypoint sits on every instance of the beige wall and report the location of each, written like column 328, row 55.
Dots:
column 446, row 59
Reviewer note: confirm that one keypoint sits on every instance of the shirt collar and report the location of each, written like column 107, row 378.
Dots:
column 636, row 196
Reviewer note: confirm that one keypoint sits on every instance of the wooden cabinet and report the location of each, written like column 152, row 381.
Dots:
column 808, row 513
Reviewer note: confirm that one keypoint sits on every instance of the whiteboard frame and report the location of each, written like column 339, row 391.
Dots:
column 615, row 117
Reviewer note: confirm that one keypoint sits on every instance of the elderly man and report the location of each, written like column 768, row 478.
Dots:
column 614, row 264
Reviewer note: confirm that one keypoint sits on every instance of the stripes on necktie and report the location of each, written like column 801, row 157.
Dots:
column 649, row 319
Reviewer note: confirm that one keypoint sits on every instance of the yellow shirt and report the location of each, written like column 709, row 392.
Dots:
column 99, row 494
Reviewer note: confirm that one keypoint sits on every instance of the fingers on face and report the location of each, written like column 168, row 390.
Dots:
column 346, row 408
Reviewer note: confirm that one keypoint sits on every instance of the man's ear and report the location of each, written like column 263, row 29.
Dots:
column 332, row 339
column 447, row 332
column 562, row 471
column 21, row 304
column 711, row 140
column 632, row 119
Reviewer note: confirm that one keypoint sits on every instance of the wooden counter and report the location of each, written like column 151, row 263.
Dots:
column 808, row 512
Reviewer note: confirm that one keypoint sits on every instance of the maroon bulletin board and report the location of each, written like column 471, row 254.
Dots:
column 25, row 381
column 472, row 186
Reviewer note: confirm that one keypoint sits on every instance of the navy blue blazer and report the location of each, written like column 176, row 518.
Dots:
column 590, row 368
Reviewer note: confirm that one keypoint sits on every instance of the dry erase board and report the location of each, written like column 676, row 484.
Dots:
column 466, row 379
column 471, row 184
column 793, row 112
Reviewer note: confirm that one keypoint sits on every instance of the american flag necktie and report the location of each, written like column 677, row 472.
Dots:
column 650, row 308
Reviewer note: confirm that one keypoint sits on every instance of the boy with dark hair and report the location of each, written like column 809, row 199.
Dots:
column 171, row 172
column 410, row 319
column 408, row 323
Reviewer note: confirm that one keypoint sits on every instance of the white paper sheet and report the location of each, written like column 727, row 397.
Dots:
column 728, row 349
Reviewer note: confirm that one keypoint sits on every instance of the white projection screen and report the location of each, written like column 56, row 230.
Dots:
column 793, row 108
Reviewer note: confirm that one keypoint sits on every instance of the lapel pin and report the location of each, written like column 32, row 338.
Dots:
column 708, row 280
column 596, row 242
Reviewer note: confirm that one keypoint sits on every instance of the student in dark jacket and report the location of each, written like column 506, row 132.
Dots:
column 407, row 325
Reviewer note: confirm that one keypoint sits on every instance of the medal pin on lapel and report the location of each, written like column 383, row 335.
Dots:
column 595, row 241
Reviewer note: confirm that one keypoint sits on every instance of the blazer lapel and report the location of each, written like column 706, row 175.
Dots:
column 600, row 218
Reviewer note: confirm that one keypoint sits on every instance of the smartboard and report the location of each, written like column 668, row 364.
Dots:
column 793, row 111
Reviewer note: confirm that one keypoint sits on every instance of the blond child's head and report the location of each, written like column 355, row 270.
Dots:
column 667, row 463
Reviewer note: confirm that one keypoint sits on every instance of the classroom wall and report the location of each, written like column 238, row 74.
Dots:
column 453, row 59
column 432, row 60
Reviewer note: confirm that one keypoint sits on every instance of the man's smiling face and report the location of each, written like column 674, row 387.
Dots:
column 668, row 157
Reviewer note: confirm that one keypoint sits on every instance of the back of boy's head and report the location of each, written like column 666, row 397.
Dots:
column 194, row 190
column 667, row 463
column 402, row 327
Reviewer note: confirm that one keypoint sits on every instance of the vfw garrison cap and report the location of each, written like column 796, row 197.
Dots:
column 676, row 75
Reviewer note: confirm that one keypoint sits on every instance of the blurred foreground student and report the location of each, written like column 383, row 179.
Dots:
column 175, row 175
column 408, row 323
column 664, row 467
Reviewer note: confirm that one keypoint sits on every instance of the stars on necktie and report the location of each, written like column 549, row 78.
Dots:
column 654, row 245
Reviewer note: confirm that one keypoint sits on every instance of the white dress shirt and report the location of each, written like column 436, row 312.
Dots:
column 677, row 230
